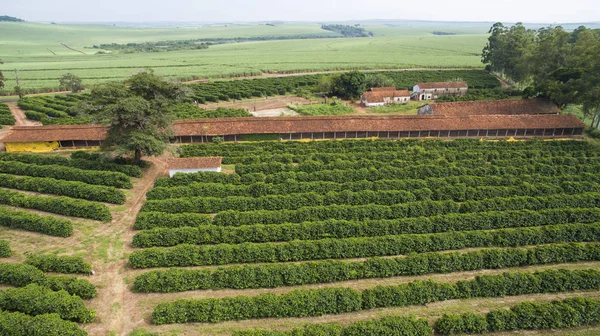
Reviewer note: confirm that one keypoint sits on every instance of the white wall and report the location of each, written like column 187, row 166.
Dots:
column 374, row 104
column 188, row 171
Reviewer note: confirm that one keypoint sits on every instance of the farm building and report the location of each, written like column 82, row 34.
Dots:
column 491, row 107
column 194, row 165
column 49, row 138
column 434, row 90
column 384, row 96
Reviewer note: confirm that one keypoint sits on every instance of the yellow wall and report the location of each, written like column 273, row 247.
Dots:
column 37, row 147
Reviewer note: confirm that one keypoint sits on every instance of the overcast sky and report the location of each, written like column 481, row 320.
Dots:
column 539, row 11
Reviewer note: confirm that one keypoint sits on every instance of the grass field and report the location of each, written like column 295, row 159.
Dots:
column 35, row 50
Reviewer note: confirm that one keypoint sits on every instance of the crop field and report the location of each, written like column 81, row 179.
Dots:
column 53, row 210
column 34, row 50
column 357, row 232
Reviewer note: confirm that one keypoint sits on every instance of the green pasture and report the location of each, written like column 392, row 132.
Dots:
column 26, row 47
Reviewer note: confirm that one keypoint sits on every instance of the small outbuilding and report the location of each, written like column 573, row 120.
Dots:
column 434, row 90
column 194, row 165
column 383, row 96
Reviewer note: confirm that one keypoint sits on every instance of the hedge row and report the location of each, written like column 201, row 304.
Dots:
column 36, row 300
column 568, row 313
column 73, row 189
column 212, row 234
column 459, row 193
column 113, row 179
column 150, row 220
column 192, row 255
column 389, row 325
column 31, row 222
column 54, row 263
column 293, row 187
column 6, row 118
column 327, row 271
column 59, row 205
column 19, row 324
column 316, row 302
column 75, row 162
column 5, row 250
column 20, row 275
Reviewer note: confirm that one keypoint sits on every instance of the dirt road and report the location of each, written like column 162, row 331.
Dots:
column 20, row 118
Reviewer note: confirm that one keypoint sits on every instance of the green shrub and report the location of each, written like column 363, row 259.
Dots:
column 64, row 264
column 150, row 220
column 297, row 303
column 326, row 271
column 5, row 250
column 20, row 275
column 192, row 255
column 389, row 325
column 113, row 179
column 568, row 313
column 31, row 222
column 73, row 189
column 36, row 300
column 19, row 324
column 59, row 205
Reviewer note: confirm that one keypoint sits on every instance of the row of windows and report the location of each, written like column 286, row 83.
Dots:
column 550, row 132
column 80, row 143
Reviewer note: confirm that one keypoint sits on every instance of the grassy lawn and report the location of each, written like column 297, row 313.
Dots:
column 408, row 109
column 323, row 109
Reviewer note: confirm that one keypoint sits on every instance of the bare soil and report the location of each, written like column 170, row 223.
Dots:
column 258, row 104
column 20, row 118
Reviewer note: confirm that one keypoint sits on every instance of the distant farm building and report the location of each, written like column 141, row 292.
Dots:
column 194, row 165
column 384, row 96
column 434, row 90
column 49, row 138
column 491, row 107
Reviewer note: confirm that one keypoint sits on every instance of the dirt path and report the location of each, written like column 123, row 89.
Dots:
column 21, row 119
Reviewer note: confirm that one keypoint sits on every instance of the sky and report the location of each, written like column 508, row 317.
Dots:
column 532, row 11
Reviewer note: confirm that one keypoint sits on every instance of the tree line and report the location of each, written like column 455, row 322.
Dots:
column 550, row 62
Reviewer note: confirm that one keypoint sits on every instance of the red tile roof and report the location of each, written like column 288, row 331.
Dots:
column 55, row 133
column 227, row 126
column 194, row 163
column 265, row 125
column 379, row 95
column 384, row 88
column 507, row 106
column 442, row 85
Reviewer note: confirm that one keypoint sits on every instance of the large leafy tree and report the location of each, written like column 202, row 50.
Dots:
column 507, row 50
column 349, row 84
column 71, row 82
column 138, row 113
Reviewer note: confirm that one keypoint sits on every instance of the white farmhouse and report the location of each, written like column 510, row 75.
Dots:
column 194, row 165
column 434, row 90
column 384, row 96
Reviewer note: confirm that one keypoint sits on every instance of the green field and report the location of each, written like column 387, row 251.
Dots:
column 29, row 48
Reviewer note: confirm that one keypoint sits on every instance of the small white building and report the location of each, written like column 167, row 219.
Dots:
column 434, row 90
column 194, row 165
column 384, row 96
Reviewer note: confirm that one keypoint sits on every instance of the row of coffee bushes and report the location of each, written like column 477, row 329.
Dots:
column 19, row 324
column 62, row 264
column 568, row 313
column 75, row 189
column 192, row 255
column 191, row 111
column 327, row 271
column 459, row 193
column 5, row 250
column 406, row 210
column 404, row 146
column 59, row 205
column 21, row 275
column 292, row 187
column 316, row 302
column 389, row 325
column 258, row 233
column 34, row 300
column 6, row 117
column 313, row 166
column 28, row 221
column 76, row 162
column 113, row 179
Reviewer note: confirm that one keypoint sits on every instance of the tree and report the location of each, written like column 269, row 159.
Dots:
column 349, row 85
column 19, row 91
column 71, row 82
column 378, row 80
column 507, row 50
column 138, row 113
